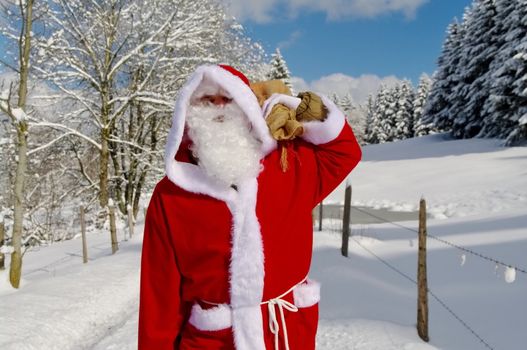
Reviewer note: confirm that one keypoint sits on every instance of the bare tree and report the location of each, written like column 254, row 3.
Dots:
column 122, row 62
column 14, row 107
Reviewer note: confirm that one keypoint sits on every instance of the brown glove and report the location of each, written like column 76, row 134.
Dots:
column 282, row 123
column 311, row 108
column 285, row 123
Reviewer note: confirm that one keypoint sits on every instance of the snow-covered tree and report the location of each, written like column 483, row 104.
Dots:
column 382, row 116
column 335, row 98
column 477, row 52
column 388, row 110
column 369, row 111
column 357, row 120
column 279, row 69
column 121, row 64
column 403, row 119
column 13, row 104
column 346, row 104
column 479, row 86
column 507, row 101
column 422, row 94
column 240, row 51
column 445, row 81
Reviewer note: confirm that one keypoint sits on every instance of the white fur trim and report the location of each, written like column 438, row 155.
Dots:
column 320, row 132
column 246, row 270
column 186, row 177
column 248, row 328
column 213, row 319
column 247, row 259
column 307, row 294
column 208, row 87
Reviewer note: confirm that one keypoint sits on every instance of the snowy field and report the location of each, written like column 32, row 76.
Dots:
column 456, row 177
column 477, row 192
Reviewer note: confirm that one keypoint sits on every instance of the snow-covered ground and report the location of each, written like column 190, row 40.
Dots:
column 477, row 192
column 456, row 177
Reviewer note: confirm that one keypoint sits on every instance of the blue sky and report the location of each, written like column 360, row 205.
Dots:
column 349, row 39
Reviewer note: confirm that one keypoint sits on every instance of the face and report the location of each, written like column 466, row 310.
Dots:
column 217, row 100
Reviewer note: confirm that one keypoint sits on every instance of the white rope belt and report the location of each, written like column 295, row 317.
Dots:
column 272, row 304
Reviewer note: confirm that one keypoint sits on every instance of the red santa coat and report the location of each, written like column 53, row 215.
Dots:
column 220, row 266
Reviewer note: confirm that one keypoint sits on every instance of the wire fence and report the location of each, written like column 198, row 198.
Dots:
column 336, row 227
column 407, row 277
column 441, row 302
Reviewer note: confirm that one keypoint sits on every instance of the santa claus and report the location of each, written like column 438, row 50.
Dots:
column 228, row 234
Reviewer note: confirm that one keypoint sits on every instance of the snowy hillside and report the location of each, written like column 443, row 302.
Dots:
column 456, row 177
column 476, row 189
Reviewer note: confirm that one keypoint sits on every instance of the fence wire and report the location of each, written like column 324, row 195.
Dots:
column 441, row 302
column 453, row 245
column 431, row 293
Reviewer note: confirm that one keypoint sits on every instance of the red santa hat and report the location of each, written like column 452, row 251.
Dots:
column 236, row 72
column 210, row 87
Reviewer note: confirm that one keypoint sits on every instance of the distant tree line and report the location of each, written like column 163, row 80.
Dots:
column 393, row 113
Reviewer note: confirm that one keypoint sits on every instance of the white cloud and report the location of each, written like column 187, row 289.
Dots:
column 291, row 40
column 256, row 10
column 265, row 11
column 342, row 84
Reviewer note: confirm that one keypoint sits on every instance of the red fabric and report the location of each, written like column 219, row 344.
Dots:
column 187, row 242
column 236, row 72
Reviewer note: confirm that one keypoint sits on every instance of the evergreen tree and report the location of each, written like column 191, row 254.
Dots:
column 357, row 121
column 507, row 101
column 445, row 80
column 279, row 69
column 370, row 106
column 383, row 111
column 389, row 111
column 423, row 91
column 376, row 130
column 479, row 87
column 403, row 123
column 335, row 98
column 346, row 104
column 478, row 50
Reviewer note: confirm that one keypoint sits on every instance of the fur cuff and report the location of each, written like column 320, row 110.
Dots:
column 317, row 132
column 307, row 294
column 213, row 319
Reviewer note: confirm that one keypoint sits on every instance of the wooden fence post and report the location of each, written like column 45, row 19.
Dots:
column 130, row 222
column 320, row 215
column 346, row 221
column 113, row 230
column 422, row 283
column 2, row 255
column 83, row 233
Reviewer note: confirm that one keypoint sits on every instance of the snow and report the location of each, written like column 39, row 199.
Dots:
column 6, row 249
column 510, row 274
column 4, row 95
column 456, row 177
column 19, row 114
column 62, row 302
column 366, row 303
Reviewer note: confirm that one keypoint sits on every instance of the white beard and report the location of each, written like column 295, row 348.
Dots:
column 226, row 151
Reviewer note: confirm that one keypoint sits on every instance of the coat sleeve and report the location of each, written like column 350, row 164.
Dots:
column 337, row 151
column 160, row 307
